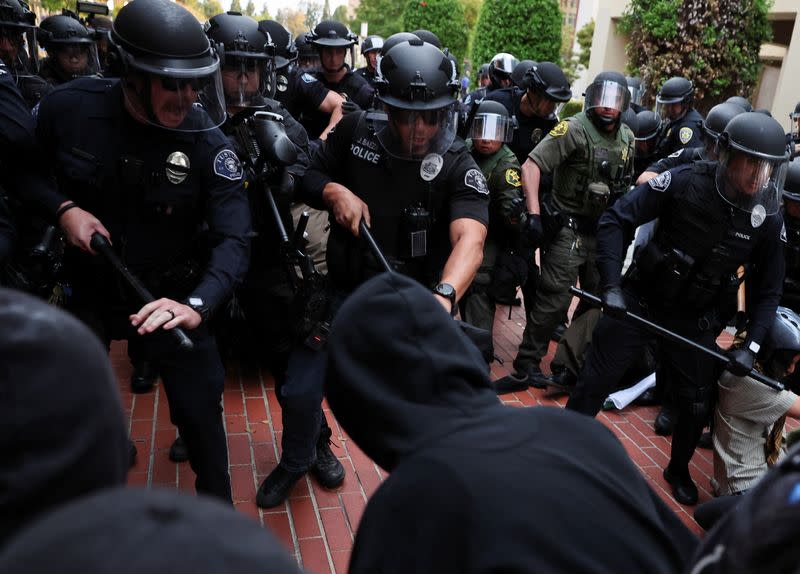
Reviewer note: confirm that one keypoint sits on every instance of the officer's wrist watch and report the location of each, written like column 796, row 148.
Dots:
column 197, row 305
column 448, row 292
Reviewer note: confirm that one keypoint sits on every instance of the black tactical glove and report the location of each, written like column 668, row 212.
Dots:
column 614, row 302
column 740, row 361
column 349, row 107
column 532, row 229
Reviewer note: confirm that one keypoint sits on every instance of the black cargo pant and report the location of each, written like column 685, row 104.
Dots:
column 616, row 344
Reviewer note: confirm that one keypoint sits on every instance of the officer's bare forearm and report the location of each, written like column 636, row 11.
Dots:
column 531, row 176
column 466, row 238
column 332, row 104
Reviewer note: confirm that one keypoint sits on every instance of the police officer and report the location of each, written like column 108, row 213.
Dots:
column 370, row 49
column 710, row 129
column 793, row 137
column 635, row 88
column 100, row 26
column 682, row 121
column 491, row 128
column 155, row 171
column 539, row 92
column 647, row 135
column 307, row 56
column 791, row 217
column 71, row 50
column 332, row 40
column 591, row 158
column 713, row 218
column 18, row 49
column 499, row 71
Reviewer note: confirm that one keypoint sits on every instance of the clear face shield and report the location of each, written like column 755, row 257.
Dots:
column 247, row 80
column 413, row 134
column 608, row 99
column 176, row 99
column 19, row 50
column 752, row 183
column 75, row 59
column 795, row 126
column 636, row 95
column 669, row 109
column 492, row 127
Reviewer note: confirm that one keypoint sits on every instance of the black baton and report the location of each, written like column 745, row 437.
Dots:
column 373, row 246
column 675, row 337
column 100, row 244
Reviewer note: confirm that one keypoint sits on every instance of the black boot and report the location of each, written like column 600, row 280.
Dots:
column 178, row 451
column 684, row 489
column 328, row 471
column 143, row 378
column 665, row 421
column 276, row 487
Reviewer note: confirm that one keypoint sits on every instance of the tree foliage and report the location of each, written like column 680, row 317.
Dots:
column 714, row 43
column 445, row 18
column 573, row 63
column 385, row 17
column 340, row 15
column 528, row 29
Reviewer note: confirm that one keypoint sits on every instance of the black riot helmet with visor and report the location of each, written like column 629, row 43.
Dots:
column 646, row 134
column 500, row 68
column 418, row 86
column 715, row 123
column 794, row 119
column 676, row 90
column 285, row 50
column 492, row 123
column 332, row 35
column 752, row 164
column 547, row 88
column 247, row 57
column 70, row 47
column 606, row 99
column 635, row 88
column 371, row 44
column 18, row 47
column 307, row 55
column 170, row 73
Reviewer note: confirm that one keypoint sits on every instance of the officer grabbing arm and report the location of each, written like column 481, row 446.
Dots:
column 404, row 172
column 154, row 174
column 713, row 218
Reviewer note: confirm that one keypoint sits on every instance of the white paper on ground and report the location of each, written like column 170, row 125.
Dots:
column 624, row 397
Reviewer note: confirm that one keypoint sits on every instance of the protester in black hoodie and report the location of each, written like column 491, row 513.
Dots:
column 477, row 486
column 62, row 432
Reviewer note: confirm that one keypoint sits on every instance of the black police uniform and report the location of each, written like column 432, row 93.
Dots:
column 116, row 168
column 16, row 146
column 791, row 284
column 685, row 280
column 368, row 75
column 684, row 132
column 299, row 92
column 353, row 157
column 352, row 87
column 681, row 157
column 530, row 129
column 474, row 96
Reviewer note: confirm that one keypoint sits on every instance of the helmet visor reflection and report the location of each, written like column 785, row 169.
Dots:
column 492, row 127
column 607, row 94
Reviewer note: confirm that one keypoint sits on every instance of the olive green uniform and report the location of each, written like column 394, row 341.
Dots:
column 589, row 169
column 502, row 173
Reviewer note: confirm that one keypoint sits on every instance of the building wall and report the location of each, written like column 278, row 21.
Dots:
column 780, row 83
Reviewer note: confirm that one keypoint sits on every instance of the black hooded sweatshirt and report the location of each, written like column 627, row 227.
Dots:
column 62, row 430
column 477, row 486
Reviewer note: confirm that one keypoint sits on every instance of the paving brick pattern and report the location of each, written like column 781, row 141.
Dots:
column 316, row 525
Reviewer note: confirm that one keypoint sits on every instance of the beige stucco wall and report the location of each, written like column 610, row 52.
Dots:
column 608, row 53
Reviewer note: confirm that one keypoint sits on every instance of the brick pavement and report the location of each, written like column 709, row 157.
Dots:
column 317, row 526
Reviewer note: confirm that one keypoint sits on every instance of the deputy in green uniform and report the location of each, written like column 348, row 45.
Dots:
column 590, row 156
column 491, row 128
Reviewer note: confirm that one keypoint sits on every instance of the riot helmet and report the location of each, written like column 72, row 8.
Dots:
column 492, row 123
column 635, row 88
column 518, row 77
column 606, row 98
column 547, row 88
column 791, row 191
column 307, row 55
column 630, row 119
column 714, row 124
column 752, row 164
column 170, row 73
column 740, row 101
column 782, row 344
column 647, row 133
column 18, row 49
column 428, row 36
column 331, row 34
column 483, row 75
column 247, row 59
column 396, row 39
column 285, row 51
column 674, row 91
column 794, row 122
column 71, row 49
column 371, row 44
column 500, row 68
column 100, row 26
column 418, row 86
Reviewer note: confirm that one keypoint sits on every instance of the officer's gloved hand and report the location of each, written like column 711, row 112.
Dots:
column 740, row 361
column 614, row 302
column 349, row 107
column 532, row 229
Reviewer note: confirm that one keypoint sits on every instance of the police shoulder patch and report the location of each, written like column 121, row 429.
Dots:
column 512, row 177
column 474, row 179
column 685, row 135
column 661, row 182
column 227, row 165
column 560, row 129
column 308, row 78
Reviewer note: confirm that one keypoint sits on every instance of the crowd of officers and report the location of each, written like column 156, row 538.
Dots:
column 251, row 181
